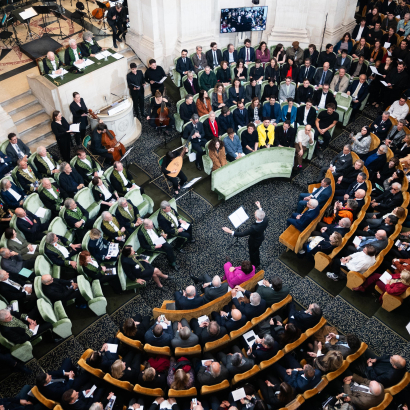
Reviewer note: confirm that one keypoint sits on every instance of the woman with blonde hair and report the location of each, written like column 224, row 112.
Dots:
column 329, row 362
column 128, row 368
column 180, row 374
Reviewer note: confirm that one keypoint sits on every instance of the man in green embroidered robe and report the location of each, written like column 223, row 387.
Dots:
column 128, row 215
column 52, row 64
column 73, row 54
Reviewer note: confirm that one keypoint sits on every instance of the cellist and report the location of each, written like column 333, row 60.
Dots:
column 155, row 106
column 96, row 146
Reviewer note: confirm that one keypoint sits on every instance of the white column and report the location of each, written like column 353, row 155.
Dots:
column 6, row 125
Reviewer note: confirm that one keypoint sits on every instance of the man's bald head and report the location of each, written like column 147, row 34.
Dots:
column 190, row 291
column 360, row 193
column 215, row 369
column 375, row 388
column 216, row 281
column 236, row 314
column 398, row 362
column 51, row 56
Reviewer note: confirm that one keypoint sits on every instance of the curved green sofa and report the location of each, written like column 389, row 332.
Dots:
column 236, row 176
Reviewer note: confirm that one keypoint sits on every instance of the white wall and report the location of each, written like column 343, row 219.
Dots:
column 161, row 28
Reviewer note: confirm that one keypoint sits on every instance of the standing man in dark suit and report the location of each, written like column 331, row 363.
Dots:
column 191, row 84
column 231, row 319
column 188, row 299
column 195, row 132
column 117, row 19
column 247, row 53
column 235, row 362
column 322, row 194
column 306, row 114
column 80, row 115
column 307, row 72
column 136, row 83
column 17, row 149
column 256, row 234
column 273, row 292
column 213, row 288
column 381, row 126
column 359, row 89
column 30, row 225
column 338, row 165
column 214, row 56
column 184, row 63
column 230, row 55
column 304, row 319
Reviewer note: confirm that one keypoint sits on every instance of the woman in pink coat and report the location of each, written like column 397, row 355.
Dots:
column 238, row 275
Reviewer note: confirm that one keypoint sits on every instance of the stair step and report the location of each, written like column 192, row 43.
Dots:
column 47, row 141
column 15, row 98
column 28, row 126
column 37, row 134
column 20, row 104
column 27, row 113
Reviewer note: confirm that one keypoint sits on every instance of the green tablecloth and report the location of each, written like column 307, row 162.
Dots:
column 71, row 76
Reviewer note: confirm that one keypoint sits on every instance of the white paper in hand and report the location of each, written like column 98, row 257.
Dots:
column 386, row 45
column 192, row 156
column 75, row 127
column 202, row 319
column 112, row 347
column 384, row 83
column 34, row 249
column 92, row 390
column 159, row 241
column 40, row 212
column 204, row 361
column 357, row 241
column 385, row 278
column 238, row 217
column 250, row 338
column 185, row 225
column 238, row 394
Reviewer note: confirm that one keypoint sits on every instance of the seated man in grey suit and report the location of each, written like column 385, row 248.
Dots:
column 235, row 362
column 212, row 373
column 183, row 335
column 287, row 90
column 213, row 288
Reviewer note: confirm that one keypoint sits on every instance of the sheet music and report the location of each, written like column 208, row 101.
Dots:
column 75, row 128
column 117, row 56
column 159, row 241
column 28, row 13
column 357, row 241
column 105, row 53
column 112, row 347
column 58, row 75
column 99, row 56
column 238, row 217
column 189, row 184
column 238, row 394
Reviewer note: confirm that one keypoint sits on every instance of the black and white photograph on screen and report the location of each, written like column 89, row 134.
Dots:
column 243, row 19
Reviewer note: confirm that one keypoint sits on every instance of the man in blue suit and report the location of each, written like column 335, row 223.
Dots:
column 322, row 194
column 247, row 53
column 307, row 72
column 358, row 90
column 6, row 165
column 301, row 221
column 188, row 299
column 263, row 349
column 230, row 55
column 184, row 63
column 240, row 116
column 255, row 308
column 156, row 335
column 381, row 126
column 272, row 110
column 12, row 195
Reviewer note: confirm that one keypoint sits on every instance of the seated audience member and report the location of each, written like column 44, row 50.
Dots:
column 344, row 194
column 263, row 349
column 223, row 75
column 235, row 362
column 322, row 194
column 59, row 250
column 26, row 177
column 359, row 261
column 233, row 147
column 381, row 126
column 135, row 327
column 101, row 273
column 284, row 335
column 187, row 109
column 6, row 165
column 304, row 319
column 45, row 163
column 255, row 308
column 304, row 92
column 254, row 111
column 343, row 61
column 156, row 335
column 387, row 224
column 341, row 226
column 207, row 80
column 16, row 288
column 183, row 337
column 13, row 263
column 128, row 215
column 184, row 64
column 179, row 377
column 325, row 121
column 307, row 72
column 211, row 127
column 203, row 103
column 241, row 71
column 273, row 292
column 249, row 139
column 287, row 90
column 253, row 90
column 188, row 299
column 339, row 164
column 403, row 148
column 240, row 274
column 30, row 225
column 272, row 110
column 12, row 195
column 327, row 243
column 219, row 97
column 322, row 76
column 70, row 180
column 155, row 374
column 363, row 394
column 361, row 142
column 270, row 89
column 240, row 116
column 139, row 270
column 231, row 320
column 111, row 229
column 98, row 247
column 103, row 359
column 257, row 71
column 121, row 180
column 89, row 46
column 290, row 69
column 216, row 152
column 306, row 114
column 289, row 111
column 329, row 362
column 275, row 393
column 16, row 149
column 195, row 133
column 225, row 120
column 76, row 400
column 388, row 200
column 266, row 134
column 62, row 289
column 52, row 64
column 207, row 331
column 50, row 195
column 375, row 160
column 346, row 345
column 16, row 243
column 323, row 96
column 73, row 54
column 191, row 84
column 302, row 220
column 399, row 109
column 147, row 234
column 378, row 241
column 303, row 142
column 213, row 288
column 358, row 89
column 86, row 166
column 285, row 135
column 210, row 373
column 327, row 56
column 103, row 193
column 340, row 83
column 77, row 218
column 230, row 55
column 360, row 30
column 127, row 369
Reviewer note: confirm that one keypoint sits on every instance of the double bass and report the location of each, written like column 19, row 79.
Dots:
column 163, row 114
column 109, row 141
column 99, row 12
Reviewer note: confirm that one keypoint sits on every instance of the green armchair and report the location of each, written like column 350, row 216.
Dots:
column 142, row 201
column 178, row 121
column 126, row 283
column 108, row 173
column 33, row 203
column 43, row 267
column 86, row 199
column 93, row 295
column 57, row 317
column 59, row 227
column 23, row 352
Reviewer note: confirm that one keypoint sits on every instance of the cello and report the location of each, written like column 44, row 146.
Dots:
column 109, row 141
column 163, row 114
column 99, row 12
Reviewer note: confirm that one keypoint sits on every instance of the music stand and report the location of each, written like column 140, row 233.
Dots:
column 189, row 185
column 26, row 16
column 59, row 16
column 44, row 10
column 5, row 35
column 126, row 155
column 237, row 219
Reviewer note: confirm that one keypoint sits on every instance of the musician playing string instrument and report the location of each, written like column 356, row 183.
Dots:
column 156, row 104
column 96, row 146
column 180, row 179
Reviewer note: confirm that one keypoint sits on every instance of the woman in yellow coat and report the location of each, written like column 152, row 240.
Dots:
column 266, row 134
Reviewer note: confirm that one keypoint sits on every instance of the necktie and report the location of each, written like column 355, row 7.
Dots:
column 15, row 284
column 28, row 220
column 382, row 122
column 343, row 60
column 241, row 112
column 183, row 60
column 306, row 72
column 57, row 380
column 193, row 88
column 247, row 54
column 215, row 60
column 338, row 85
column 323, row 77
column 267, row 137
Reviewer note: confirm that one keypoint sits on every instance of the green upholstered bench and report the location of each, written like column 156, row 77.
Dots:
column 235, row 177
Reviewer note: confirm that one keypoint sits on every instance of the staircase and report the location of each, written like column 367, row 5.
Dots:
column 33, row 123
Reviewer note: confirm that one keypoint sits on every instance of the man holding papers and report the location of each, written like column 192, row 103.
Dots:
column 256, row 234
column 60, row 251
column 263, row 349
column 73, row 54
column 52, row 64
column 15, row 288
column 153, row 240
column 13, row 263
column 174, row 226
